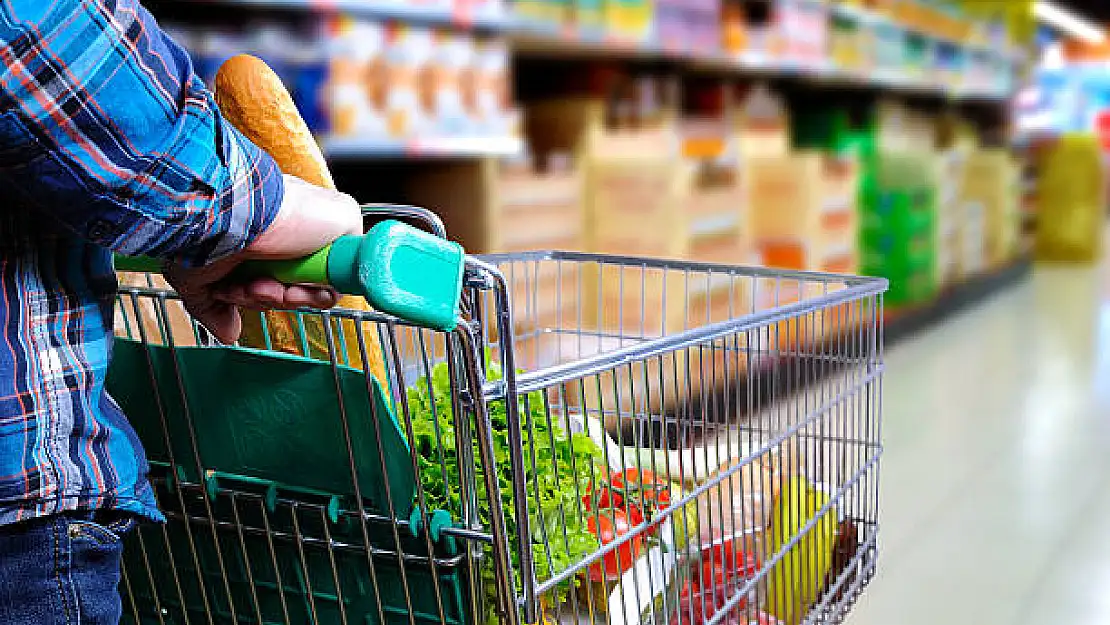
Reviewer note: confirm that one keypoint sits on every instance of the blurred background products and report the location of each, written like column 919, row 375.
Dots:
column 828, row 136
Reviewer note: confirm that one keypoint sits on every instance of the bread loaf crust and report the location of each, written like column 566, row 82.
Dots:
column 254, row 100
column 252, row 97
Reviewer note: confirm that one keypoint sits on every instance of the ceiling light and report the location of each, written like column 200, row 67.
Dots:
column 1052, row 14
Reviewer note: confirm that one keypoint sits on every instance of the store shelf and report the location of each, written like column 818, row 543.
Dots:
column 539, row 43
column 400, row 10
column 342, row 148
column 539, row 40
column 908, row 322
column 870, row 18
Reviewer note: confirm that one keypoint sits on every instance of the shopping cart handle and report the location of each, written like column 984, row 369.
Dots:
column 400, row 270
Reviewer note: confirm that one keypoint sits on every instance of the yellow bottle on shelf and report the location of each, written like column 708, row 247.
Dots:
column 1071, row 200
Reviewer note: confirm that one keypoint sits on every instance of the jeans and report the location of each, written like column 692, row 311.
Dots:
column 62, row 570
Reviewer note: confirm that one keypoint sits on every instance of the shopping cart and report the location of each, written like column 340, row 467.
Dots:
column 598, row 439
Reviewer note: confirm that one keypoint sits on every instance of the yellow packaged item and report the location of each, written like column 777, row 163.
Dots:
column 795, row 581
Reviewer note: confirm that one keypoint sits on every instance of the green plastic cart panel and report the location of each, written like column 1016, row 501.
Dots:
column 265, row 416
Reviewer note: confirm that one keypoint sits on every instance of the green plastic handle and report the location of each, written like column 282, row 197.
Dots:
column 311, row 269
column 399, row 269
column 139, row 264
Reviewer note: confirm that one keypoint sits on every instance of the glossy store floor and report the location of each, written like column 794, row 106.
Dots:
column 996, row 473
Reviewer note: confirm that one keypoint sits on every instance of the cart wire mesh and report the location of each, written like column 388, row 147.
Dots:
column 603, row 440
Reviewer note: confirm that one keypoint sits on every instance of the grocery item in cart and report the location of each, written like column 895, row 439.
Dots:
column 254, row 100
column 796, row 580
column 740, row 505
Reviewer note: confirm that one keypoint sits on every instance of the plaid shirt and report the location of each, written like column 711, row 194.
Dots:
column 108, row 143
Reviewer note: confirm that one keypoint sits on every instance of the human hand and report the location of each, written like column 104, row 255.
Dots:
column 310, row 217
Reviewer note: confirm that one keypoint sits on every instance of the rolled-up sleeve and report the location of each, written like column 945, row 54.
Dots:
column 105, row 128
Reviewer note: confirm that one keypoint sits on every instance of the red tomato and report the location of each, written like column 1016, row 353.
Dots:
column 695, row 608
column 637, row 486
column 608, row 526
column 601, row 499
column 725, row 568
column 726, row 561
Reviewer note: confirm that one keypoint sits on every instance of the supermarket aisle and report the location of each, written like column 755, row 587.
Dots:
column 996, row 477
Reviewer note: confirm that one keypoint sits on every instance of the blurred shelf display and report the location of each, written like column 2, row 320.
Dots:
column 685, row 122
column 481, row 14
column 902, row 46
column 355, row 147
column 375, row 89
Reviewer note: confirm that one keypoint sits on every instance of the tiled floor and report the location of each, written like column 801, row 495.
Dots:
column 996, row 473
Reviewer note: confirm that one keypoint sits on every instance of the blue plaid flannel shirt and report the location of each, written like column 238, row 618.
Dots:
column 108, row 143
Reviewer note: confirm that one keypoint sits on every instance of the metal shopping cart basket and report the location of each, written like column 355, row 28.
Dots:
column 599, row 439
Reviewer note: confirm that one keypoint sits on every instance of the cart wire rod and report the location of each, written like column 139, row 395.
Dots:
column 566, row 372
column 687, row 265
column 716, row 481
column 322, row 543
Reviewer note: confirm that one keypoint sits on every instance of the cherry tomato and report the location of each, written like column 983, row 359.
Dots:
column 608, row 526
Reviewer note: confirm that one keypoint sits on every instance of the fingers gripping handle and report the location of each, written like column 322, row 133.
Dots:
column 400, row 270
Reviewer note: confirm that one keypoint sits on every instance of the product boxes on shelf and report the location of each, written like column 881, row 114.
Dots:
column 991, row 179
column 399, row 84
column 492, row 96
column 951, row 217
column 629, row 21
column 734, row 29
column 805, row 33
column 784, row 198
column 409, row 103
column 840, row 215
column 1072, row 199
column 454, row 111
column 717, row 228
column 542, row 15
column 898, row 231
column 538, row 205
column 688, row 26
column 803, row 210
column 357, row 79
column 851, row 45
column 588, row 17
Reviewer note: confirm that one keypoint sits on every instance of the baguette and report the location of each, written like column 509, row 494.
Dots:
column 254, row 100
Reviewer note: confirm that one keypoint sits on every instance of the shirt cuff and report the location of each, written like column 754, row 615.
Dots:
column 251, row 198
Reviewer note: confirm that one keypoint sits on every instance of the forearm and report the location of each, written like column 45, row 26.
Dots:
column 105, row 128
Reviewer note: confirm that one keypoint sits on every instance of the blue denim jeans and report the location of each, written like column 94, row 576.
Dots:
column 62, row 570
